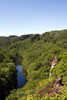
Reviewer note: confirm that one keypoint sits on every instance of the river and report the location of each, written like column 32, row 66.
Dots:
column 21, row 80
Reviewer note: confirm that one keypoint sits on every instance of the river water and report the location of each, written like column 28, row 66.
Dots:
column 21, row 80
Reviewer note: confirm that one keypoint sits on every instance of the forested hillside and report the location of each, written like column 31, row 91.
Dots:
column 44, row 60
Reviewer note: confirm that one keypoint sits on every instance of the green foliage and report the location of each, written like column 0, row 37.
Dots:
column 61, row 68
column 7, row 72
column 35, row 52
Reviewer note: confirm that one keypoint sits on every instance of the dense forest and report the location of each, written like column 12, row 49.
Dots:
column 44, row 60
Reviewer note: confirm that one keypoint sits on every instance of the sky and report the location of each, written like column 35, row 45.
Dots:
column 18, row 17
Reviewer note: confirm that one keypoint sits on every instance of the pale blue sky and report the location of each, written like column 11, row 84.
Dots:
column 18, row 17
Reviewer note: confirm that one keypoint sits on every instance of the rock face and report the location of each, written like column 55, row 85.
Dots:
column 58, row 84
column 53, row 64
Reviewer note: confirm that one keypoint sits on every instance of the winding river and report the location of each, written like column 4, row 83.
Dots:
column 21, row 80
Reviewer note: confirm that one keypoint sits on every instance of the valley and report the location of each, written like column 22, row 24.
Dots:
column 31, row 64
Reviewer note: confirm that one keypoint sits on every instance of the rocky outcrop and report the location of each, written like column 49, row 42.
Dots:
column 58, row 84
column 53, row 64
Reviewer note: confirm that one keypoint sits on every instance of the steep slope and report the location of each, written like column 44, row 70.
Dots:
column 38, row 51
